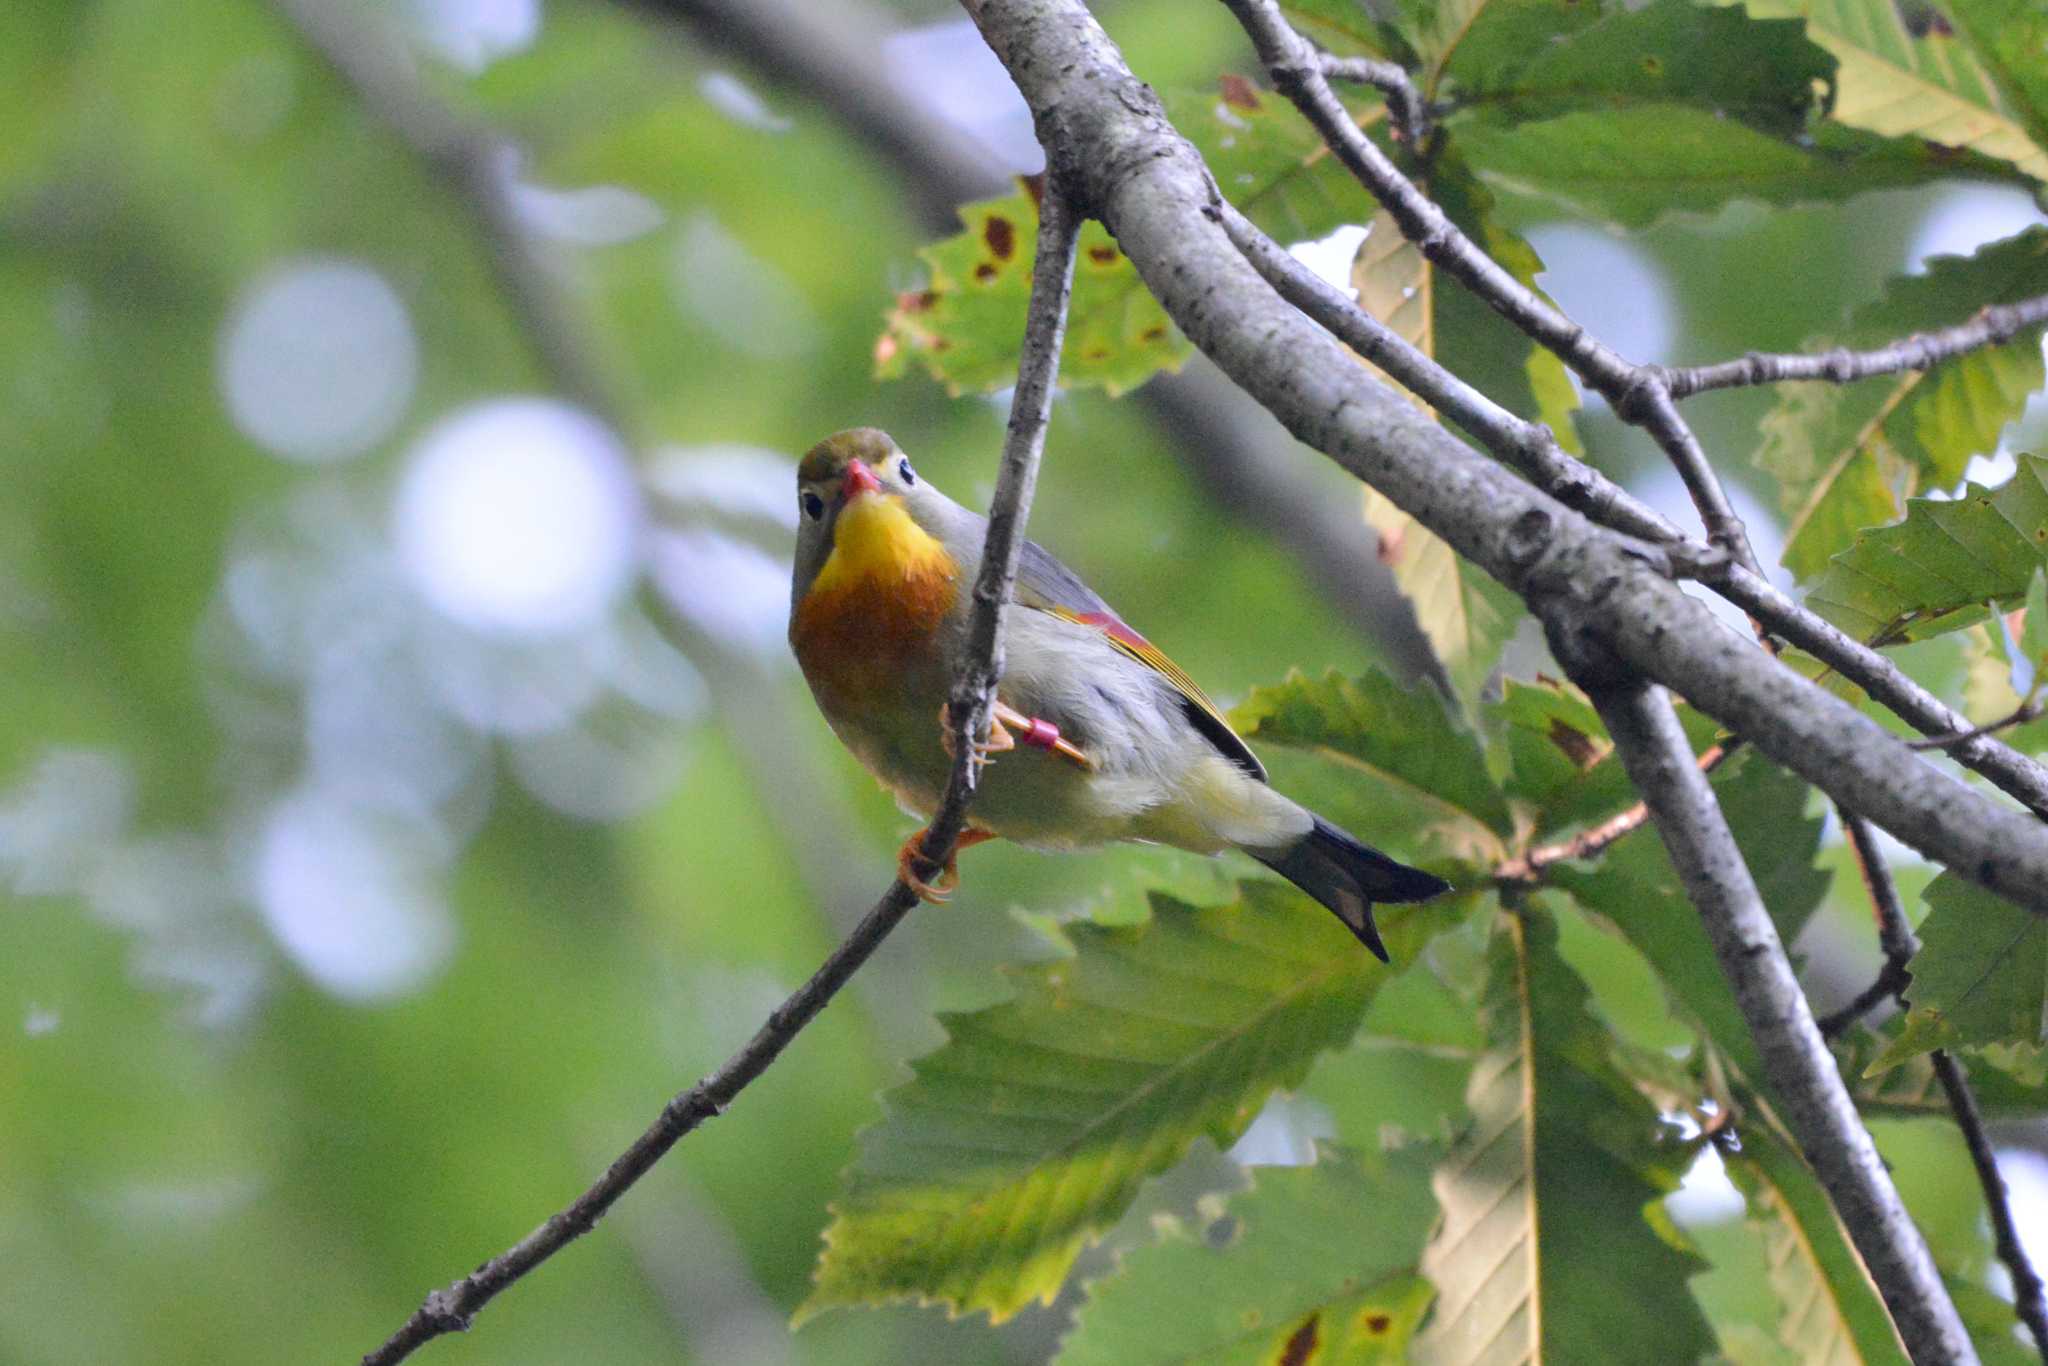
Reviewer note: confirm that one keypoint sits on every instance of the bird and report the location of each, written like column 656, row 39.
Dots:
column 1096, row 735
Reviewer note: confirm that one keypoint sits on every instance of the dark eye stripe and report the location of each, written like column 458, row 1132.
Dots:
column 903, row 469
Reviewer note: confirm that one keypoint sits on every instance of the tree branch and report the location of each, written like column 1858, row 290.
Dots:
column 1404, row 102
column 1994, row 325
column 1804, row 1080
column 453, row 1308
column 1107, row 131
column 1637, row 392
column 1895, row 936
column 1531, row 448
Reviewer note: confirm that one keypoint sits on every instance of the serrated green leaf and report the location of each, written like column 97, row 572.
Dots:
column 1558, row 754
column 1981, row 976
column 1029, row 1131
column 1911, row 1088
column 1936, row 570
column 1317, row 1260
column 1269, row 160
column 1633, row 167
column 1844, row 455
column 2034, row 632
column 1636, row 890
column 1933, row 86
column 1544, row 1200
column 1405, row 734
column 966, row 325
column 1832, row 1313
column 1762, row 72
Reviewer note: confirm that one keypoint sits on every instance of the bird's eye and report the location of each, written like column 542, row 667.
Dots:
column 813, row 505
column 903, row 470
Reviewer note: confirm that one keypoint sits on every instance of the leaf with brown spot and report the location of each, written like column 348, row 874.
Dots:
column 965, row 327
column 1320, row 1271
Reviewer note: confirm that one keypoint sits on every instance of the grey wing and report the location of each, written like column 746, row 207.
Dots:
column 1049, row 586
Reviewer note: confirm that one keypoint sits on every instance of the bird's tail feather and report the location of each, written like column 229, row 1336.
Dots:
column 1349, row 877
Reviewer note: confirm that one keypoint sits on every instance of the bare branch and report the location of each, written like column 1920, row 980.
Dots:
column 2030, row 1303
column 1637, row 392
column 1895, row 936
column 1404, row 102
column 2010, row 771
column 1891, row 979
column 2019, row 716
column 1594, row 840
column 453, row 1308
column 1804, row 1081
column 1994, row 325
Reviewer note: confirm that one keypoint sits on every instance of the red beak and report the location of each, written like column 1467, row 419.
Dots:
column 859, row 479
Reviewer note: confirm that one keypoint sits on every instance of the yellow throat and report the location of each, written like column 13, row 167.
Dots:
column 876, row 539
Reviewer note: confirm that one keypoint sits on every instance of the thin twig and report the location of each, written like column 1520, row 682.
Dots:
column 1404, row 101
column 1595, row 840
column 2006, row 768
column 1994, row 325
column 1804, row 1079
column 1637, row 392
column 454, row 1307
column 1891, row 979
column 1896, row 938
column 2020, row 715
column 2030, row 1302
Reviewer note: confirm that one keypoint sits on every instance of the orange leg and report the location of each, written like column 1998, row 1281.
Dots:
column 1007, row 728
column 939, row 888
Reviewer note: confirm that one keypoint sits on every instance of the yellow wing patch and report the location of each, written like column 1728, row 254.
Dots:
column 1208, row 718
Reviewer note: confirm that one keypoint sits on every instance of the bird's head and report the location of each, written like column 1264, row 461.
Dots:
column 858, row 495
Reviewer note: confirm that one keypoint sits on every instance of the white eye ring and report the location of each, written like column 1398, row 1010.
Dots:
column 903, row 470
column 813, row 505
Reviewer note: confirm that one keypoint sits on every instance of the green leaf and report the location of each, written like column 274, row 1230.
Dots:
column 1269, row 160
column 1763, row 73
column 1465, row 614
column 1558, row 755
column 1936, row 570
column 966, row 325
column 1631, row 167
column 1910, row 1088
column 1981, row 976
column 2034, row 631
column 1478, row 44
column 1408, row 735
column 1933, row 86
column 2009, row 37
column 1832, row 1312
column 1844, row 455
column 1547, row 1249
column 1636, row 890
column 1348, row 28
column 1029, row 1131
column 1285, row 1270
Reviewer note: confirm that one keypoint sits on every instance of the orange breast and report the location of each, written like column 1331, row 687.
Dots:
column 860, row 640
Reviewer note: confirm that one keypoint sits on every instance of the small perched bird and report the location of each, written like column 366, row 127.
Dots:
column 1102, row 736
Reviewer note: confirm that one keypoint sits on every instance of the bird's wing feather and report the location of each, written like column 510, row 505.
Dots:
column 1043, row 583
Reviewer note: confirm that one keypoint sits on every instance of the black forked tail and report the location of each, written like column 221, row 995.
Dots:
column 1349, row 877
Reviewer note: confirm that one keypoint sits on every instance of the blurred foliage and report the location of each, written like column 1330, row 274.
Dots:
column 344, row 933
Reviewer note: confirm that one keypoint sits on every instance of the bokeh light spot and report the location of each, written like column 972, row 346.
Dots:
column 318, row 360
column 519, row 517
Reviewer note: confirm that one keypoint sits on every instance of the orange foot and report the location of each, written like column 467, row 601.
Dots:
column 939, row 888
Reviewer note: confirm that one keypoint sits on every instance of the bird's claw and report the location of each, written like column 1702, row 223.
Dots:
column 999, row 738
column 939, row 889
